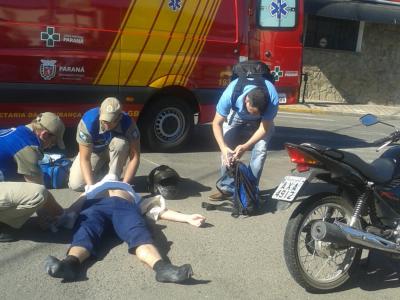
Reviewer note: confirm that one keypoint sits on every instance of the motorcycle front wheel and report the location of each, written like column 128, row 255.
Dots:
column 319, row 266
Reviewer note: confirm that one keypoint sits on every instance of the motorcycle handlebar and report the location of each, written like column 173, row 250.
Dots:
column 394, row 137
column 382, row 140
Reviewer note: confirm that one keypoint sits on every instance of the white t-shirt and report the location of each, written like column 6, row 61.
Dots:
column 151, row 206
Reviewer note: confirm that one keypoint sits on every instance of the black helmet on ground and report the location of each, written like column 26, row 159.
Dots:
column 163, row 180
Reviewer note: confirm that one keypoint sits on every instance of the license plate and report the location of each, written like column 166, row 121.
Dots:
column 289, row 188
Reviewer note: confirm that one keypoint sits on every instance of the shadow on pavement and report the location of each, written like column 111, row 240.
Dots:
column 377, row 272
column 270, row 205
column 31, row 231
column 306, row 135
column 202, row 139
column 266, row 205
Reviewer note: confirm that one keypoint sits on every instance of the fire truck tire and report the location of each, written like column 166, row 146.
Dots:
column 167, row 124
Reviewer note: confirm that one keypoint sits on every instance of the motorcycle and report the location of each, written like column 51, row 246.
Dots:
column 346, row 205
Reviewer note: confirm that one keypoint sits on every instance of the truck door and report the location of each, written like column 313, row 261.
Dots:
column 52, row 52
column 279, row 29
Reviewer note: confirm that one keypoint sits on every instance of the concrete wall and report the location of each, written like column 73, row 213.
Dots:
column 369, row 76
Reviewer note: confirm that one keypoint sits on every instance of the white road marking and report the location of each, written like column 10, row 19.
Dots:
column 305, row 117
column 152, row 162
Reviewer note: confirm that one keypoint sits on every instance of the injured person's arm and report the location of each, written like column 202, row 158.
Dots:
column 154, row 207
column 192, row 219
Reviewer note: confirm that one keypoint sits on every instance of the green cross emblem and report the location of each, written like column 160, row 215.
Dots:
column 50, row 36
column 277, row 73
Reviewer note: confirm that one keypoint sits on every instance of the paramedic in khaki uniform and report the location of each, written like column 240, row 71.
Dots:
column 105, row 134
column 21, row 180
column 248, row 126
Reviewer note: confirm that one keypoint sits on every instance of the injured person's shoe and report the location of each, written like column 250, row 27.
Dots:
column 67, row 268
column 166, row 272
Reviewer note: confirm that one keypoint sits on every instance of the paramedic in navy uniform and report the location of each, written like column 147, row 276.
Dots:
column 22, row 192
column 249, row 125
column 105, row 134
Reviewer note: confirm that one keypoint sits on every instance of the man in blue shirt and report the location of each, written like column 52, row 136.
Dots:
column 249, row 124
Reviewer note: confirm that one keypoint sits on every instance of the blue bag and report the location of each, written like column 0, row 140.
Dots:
column 246, row 198
column 55, row 171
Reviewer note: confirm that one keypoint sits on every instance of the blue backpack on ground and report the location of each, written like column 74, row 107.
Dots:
column 55, row 168
column 246, row 198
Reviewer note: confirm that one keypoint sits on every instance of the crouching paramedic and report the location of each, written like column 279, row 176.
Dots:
column 21, row 180
column 122, row 209
column 105, row 134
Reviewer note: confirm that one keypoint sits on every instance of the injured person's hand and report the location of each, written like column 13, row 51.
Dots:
column 196, row 220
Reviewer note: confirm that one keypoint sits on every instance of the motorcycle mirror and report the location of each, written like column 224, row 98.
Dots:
column 369, row 119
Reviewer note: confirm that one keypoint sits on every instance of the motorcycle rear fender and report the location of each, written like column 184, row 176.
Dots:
column 313, row 187
column 314, row 184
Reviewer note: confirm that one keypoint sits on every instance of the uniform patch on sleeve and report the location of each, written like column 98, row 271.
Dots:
column 135, row 134
column 83, row 136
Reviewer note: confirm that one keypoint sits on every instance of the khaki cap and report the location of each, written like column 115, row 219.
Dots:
column 54, row 125
column 110, row 109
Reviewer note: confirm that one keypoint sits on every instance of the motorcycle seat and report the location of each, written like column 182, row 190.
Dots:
column 380, row 171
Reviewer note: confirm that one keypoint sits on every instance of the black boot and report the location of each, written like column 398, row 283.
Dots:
column 166, row 272
column 68, row 268
column 7, row 233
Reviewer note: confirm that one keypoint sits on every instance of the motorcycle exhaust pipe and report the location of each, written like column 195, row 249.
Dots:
column 345, row 235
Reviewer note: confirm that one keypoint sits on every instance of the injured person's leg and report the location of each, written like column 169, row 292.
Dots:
column 165, row 272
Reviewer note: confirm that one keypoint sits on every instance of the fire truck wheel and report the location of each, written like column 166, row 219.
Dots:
column 167, row 124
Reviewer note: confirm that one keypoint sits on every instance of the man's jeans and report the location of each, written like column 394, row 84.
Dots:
column 237, row 133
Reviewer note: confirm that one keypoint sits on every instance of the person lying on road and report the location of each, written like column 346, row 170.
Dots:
column 122, row 209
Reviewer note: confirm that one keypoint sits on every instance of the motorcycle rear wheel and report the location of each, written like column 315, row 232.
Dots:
column 319, row 266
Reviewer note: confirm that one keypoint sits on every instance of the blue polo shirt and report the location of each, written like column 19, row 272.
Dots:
column 12, row 141
column 101, row 139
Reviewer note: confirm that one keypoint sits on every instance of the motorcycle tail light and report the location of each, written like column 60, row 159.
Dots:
column 302, row 168
column 303, row 160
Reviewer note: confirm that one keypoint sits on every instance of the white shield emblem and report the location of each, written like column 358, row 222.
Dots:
column 48, row 69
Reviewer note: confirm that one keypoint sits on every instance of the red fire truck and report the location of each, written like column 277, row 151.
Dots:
column 168, row 61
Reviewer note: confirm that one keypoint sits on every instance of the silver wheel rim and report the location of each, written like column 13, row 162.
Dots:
column 169, row 125
column 320, row 261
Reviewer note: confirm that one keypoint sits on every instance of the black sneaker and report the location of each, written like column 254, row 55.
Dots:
column 7, row 233
column 67, row 269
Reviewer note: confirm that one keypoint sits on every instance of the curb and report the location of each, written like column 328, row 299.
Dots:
column 312, row 110
column 288, row 108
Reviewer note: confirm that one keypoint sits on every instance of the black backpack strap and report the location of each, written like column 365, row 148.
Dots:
column 257, row 79
column 220, row 207
column 237, row 204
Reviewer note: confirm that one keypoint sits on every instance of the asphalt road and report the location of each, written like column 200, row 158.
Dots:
column 231, row 258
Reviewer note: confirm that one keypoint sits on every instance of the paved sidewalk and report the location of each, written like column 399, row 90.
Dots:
column 384, row 111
